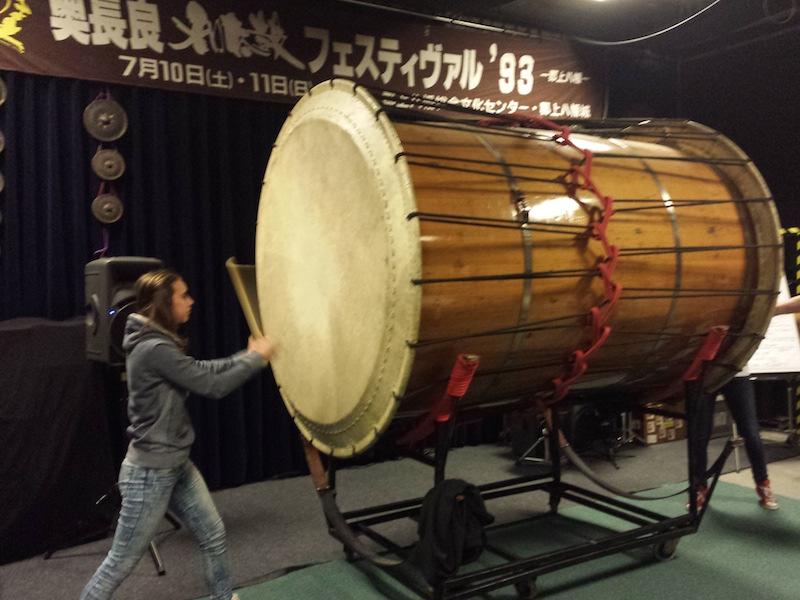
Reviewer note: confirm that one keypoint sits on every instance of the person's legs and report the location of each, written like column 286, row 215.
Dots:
column 740, row 395
column 741, row 398
column 192, row 504
column 145, row 496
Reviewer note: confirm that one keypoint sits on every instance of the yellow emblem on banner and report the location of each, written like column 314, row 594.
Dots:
column 9, row 26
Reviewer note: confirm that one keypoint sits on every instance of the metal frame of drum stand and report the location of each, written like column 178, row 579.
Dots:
column 659, row 531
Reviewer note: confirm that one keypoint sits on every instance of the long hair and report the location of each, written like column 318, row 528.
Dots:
column 154, row 298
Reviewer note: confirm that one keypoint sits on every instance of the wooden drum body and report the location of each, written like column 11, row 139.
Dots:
column 387, row 245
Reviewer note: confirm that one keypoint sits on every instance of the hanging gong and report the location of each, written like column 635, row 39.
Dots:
column 3, row 91
column 2, row 141
column 107, row 208
column 2, row 182
column 108, row 164
column 105, row 120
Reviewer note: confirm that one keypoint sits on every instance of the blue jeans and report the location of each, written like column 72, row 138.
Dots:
column 741, row 400
column 740, row 396
column 146, row 496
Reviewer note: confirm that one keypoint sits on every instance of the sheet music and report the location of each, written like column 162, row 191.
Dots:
column 779, row 351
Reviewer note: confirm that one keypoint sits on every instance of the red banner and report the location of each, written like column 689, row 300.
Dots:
column 277, row 50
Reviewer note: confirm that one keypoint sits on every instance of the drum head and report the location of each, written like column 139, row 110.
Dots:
column 335, row 256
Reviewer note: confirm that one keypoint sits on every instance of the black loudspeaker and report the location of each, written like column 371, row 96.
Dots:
column 110, row 298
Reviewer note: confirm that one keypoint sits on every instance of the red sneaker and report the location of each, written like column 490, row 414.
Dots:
column 765, row 497
column 702, row 495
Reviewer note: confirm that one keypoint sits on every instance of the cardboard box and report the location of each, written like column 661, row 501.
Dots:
column 656, row 429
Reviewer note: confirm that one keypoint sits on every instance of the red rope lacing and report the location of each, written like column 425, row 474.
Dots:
column 579, row 178
column 707, row 351
column 444, row 409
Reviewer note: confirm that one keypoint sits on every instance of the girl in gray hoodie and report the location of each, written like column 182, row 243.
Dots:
column 157, row 474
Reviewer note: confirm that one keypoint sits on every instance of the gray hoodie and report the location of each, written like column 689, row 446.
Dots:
column 160, row 377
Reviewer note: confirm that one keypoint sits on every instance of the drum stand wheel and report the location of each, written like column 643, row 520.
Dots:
column 553, row 503
column 526, row 589
column 665, row 550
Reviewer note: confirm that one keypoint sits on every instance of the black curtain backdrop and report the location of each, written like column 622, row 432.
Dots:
column 194, row 169
column 751, row 94
column 56, row 459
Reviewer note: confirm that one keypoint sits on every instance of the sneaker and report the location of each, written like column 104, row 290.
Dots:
column 702, row 495
column 765, row 497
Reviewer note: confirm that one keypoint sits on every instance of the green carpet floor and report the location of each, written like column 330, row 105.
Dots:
column 741, row 551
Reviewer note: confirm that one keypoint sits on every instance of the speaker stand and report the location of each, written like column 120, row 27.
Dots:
column 155, row 554
column 153, row 549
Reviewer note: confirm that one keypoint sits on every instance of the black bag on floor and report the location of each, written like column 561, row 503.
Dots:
column 450, row 529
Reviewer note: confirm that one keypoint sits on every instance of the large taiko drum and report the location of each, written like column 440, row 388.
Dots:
column 389, row 242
